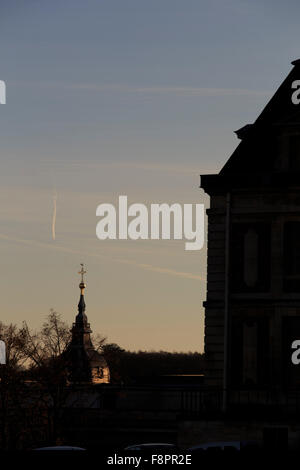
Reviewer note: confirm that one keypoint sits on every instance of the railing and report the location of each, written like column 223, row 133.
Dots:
column 241, row 403
column 196, row 402
column 192, row 402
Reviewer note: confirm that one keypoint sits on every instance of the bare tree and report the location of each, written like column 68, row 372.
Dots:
column 48, row 344
column 14, row 341
column 48, row 366
column 12, row 391
column 99, row 342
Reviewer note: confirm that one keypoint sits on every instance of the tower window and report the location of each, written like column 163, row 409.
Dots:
column 99, row 372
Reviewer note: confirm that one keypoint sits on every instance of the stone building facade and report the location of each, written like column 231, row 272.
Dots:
column 252, row 310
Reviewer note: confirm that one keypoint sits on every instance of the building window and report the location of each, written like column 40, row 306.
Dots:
column 275, row 438
column 250, row 257
column 294, row 152
column 250, row 337
column 250, row 364
column 291, row 274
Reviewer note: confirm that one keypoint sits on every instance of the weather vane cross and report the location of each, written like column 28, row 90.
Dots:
column 82, row 272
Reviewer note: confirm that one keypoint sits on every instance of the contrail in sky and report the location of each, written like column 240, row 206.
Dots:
column 54, row 215
column 148, row 267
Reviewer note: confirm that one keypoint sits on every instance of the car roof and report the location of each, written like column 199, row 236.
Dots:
column 149, row 444
column 60, row 448
column 236, row 444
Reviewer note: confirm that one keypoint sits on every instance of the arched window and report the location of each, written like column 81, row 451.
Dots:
column 294, row 152
column 250, row 257
column 291, row 280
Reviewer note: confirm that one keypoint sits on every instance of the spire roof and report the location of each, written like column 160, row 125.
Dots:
column 85, row 361
column 81, row 318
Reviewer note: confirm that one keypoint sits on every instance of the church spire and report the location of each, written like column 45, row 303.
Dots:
column 81, row 318
column 86, row 364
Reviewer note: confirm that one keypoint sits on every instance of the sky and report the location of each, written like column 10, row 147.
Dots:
column 123, row 97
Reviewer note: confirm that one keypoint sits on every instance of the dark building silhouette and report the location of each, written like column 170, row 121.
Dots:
column 252, row 311
column 87, row 364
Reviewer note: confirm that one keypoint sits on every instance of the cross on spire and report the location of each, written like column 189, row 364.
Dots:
column 82, row 272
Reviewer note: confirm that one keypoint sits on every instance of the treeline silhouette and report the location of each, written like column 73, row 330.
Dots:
column 127, row 366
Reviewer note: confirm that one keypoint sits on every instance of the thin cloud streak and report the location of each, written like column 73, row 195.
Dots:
column 157, row 269
column 144, row 266
column 151, row 90
column 178, row 169
column 175, row 90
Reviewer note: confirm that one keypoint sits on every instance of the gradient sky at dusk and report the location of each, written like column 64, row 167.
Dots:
column 133, row 97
